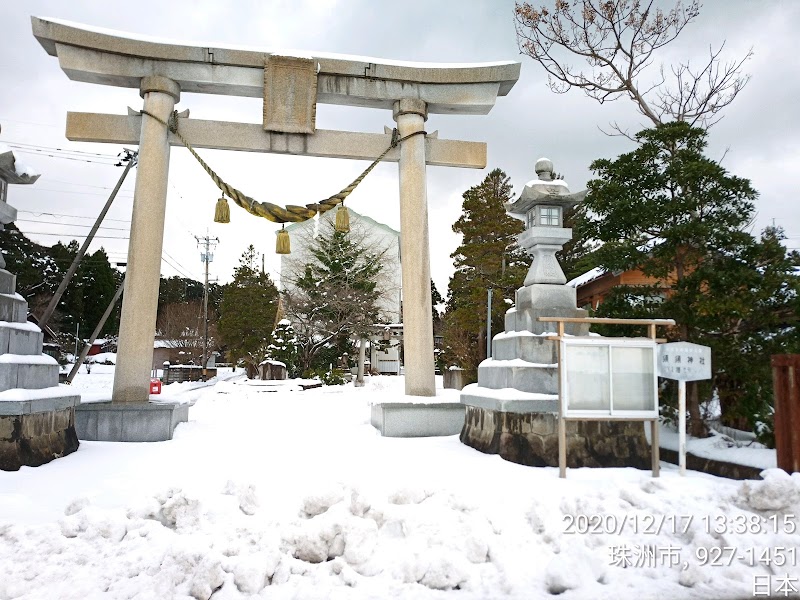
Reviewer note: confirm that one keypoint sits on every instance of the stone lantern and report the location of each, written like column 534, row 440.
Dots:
column 37, row 415
column 541, row 206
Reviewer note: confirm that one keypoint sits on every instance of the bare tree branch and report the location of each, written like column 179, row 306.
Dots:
column 617, row 40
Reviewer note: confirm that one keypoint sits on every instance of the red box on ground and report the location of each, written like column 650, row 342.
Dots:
column 155, row 386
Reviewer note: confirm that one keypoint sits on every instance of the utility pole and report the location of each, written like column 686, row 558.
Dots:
column 206, row 256
column 129, row 158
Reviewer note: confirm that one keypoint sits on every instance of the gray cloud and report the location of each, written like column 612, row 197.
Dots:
column 760, row 130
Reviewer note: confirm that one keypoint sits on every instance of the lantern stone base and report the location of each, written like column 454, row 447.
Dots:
column 132, row 422
column 532, row 439
column 37, row 430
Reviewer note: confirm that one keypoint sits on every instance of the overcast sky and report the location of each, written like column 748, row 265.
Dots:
column 759, row 137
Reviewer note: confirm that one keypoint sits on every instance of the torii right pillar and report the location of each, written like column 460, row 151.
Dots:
column 410, row 115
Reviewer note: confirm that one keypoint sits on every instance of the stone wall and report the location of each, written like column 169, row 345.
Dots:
column 713, row 467
column 532, row 439
column 35, row 439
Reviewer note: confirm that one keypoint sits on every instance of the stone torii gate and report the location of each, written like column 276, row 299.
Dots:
column 291, row 87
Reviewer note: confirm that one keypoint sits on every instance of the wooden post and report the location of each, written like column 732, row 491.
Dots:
column 562, row 426
column 682, row 426
column 786, row 383
column 655, row 447
column 562, row 446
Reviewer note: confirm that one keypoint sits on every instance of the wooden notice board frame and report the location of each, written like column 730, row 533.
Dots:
column 651, row 324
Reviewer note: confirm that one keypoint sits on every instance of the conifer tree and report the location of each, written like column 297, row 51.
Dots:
column 249, row 304
column 488, row 257
column 97, row 282
column 334, row 297
column 677, row 215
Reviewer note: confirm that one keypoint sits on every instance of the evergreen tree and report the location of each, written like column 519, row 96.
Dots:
column 38, row 269
column 179, row 289
column 670, row 211
column 97, row 282
column 248, row 308
column 334, row 297
column 436, row 300
column 283, row 347
column 488, row 257
column 577, row 256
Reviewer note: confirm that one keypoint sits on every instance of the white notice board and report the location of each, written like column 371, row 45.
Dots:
column 613, row 378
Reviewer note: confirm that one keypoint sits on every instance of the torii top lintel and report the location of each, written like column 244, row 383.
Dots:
column 118, row 59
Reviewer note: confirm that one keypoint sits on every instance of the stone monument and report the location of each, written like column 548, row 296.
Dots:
column 37, row 415
column 513, row 409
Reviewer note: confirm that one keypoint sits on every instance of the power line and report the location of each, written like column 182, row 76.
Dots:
column 42, row 189
column 24, row 145
column 39, row 214
column 68, row 235
column 182, row 270
column 99, row 187
column 86, row 160
column 4, row 119
column 178, row 219
column 72, row 225
column 179, row 271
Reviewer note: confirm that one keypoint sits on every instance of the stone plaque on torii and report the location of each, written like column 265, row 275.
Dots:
column 291, row 86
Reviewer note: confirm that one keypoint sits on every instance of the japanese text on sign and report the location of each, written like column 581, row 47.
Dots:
column 684, row 361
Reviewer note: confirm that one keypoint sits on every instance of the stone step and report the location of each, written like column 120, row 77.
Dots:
column 20, row 338
column 519, row 374
column 523, row 344
column 528, row 320
column 13, row 308
column 27, row 372
column 8, row 282
column 508, row 400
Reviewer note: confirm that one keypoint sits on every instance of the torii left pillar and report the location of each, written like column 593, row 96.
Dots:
column 411, row 114
column 138, row 320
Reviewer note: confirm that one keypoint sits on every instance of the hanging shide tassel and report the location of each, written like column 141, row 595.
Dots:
column 342, row 219
column 222, row 214
column 283, row 243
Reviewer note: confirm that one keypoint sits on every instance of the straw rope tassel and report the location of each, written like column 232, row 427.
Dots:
column 342, row 219
column 283, row 244
column 222, row 213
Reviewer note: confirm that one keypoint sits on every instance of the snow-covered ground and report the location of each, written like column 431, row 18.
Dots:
column 289, row 494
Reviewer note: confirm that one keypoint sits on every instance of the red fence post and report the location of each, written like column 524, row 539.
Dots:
column 786, row 384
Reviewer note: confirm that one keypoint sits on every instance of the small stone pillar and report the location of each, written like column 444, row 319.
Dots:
column 411, row 114
column 453, row 378
column 138, row 318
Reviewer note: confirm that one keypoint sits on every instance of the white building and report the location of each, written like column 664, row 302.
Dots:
column 379, row 238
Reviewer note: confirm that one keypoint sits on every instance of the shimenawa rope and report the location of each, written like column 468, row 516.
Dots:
column 272, row 212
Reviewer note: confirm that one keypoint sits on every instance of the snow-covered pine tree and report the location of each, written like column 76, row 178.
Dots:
column 283, row 347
